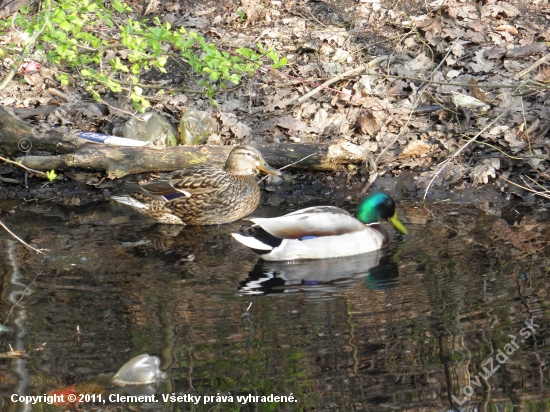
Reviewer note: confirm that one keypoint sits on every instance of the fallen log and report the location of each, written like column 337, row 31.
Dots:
column 18, row 136
column 122, row 161
column 70, row 151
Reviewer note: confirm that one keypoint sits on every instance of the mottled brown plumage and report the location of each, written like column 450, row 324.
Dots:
column 204, row 195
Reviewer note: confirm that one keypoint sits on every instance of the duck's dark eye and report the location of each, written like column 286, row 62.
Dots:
column 248, row 154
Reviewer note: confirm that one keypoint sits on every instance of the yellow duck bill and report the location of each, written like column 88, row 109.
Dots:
column 397, row 224
column 264, row 167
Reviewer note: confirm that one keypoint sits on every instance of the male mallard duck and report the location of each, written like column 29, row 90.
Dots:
column 205, row 194
column 323, row 231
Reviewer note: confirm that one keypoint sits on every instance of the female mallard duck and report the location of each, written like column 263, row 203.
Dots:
column 324, row 231
column 205, row 194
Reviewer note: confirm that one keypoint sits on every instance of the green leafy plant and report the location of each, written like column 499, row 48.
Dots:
column 241, row 15
column 51, row 175
column 96, row 45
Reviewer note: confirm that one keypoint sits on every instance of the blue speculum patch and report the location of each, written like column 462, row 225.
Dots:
column 173, row 196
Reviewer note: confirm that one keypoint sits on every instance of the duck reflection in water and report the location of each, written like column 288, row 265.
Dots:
column 378, row 269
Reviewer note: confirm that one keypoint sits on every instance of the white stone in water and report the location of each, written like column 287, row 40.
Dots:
column 141, row 370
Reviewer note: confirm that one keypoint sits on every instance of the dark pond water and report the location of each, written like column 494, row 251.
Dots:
column 457, row 308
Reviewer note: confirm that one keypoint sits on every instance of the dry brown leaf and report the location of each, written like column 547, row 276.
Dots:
column 458, row 49
column 411, row 164
column 476, row 37
column 357, row 99
column 477, row 92
column 293, row 125
column 463, row 12
column 421, row 62
column 367, row 123
column 7, row 101
column 482, row 172
column 345, row 96
column 543, row 75
column 204, row 12
column 252, row 10
column 477, row 25
column 415, row 148
column 433, row 32
column 496, row 132
column 516, row 144
column 199, row 22
column 513, row 66
column 516, row 118
column 173, row 7
column 321, row 119
column 178, row 99
column 397, row 88
column 494, row 53
column 507, row 36
column 337, row 36
column 241, row 130
column 228, row 119
column 10, row 7
column 502, row 9
column 429, row 177
column 481, row 63
column 152, row 7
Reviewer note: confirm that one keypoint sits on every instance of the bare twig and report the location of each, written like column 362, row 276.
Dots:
column 481, row 85
column 21, row 297
column 499, row 150
column 535, row 182
column 298, row 161
column 23, row 167
column 352, row 72
column 291, row 164
column 536, row 64
column 21, row 240
column 120, row 110
column 545, row 194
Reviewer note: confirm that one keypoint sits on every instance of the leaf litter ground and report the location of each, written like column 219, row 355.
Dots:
column 407, row 111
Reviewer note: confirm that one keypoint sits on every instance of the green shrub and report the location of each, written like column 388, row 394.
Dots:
column 80, row 34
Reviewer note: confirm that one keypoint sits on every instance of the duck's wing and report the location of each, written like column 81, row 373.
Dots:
column 372, row 237
column 187, row 182
column 313, row 221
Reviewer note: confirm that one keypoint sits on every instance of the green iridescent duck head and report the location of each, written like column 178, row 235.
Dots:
column 378, row 206
column 246, row 160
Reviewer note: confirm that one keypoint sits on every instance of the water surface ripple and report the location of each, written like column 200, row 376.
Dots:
column 441, row 314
